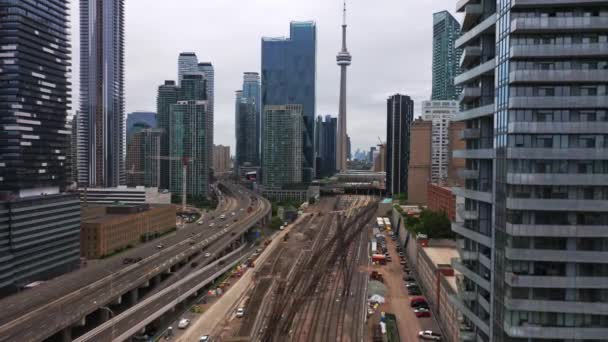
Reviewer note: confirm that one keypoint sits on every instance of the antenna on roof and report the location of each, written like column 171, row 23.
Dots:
column 344, row 14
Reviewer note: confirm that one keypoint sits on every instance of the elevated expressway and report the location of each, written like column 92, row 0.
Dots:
column 57, row 308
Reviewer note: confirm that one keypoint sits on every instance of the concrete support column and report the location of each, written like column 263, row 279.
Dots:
column 104, row 315
column 66, row 335
column 133, row 297
column 155, row 281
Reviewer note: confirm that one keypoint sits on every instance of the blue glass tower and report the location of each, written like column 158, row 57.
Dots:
column 288, row 77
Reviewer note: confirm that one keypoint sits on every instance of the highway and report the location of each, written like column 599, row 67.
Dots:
column 34, row 316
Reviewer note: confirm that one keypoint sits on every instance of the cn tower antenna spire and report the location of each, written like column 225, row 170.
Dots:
column 344, row 14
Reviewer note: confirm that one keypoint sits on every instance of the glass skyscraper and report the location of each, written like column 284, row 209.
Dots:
column 282, row 146
column 187, row 63
column 533, row 228
column 446, row 57
column 167, row 95
column 399, row 116
column 326, row 135
column 288, row 77
column 247, row 147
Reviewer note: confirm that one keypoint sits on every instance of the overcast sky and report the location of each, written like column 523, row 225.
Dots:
column 390, row 42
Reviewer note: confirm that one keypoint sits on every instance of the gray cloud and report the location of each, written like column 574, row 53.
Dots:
column 390, row 41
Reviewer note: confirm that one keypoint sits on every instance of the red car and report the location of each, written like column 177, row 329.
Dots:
column 422, row 312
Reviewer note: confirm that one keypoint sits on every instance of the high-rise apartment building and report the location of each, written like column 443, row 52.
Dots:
column 247, row 150
column 419, row 166
column 39, row 234
column 187, row 63
column 439, row 113
column 446, row 57
column 288, row 77
column 143, row 157
column 252, row 90
column 147, row 119
column 326, row 134
column 532, row 228
column 400, row 113
column 102, row 92
column 282, row 146
column 190, row 144
column 221, row 159
column 167, row 96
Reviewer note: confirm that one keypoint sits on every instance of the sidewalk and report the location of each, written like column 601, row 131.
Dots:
column 206, row 323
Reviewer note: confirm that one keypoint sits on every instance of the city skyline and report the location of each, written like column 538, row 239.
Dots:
column 147, row 63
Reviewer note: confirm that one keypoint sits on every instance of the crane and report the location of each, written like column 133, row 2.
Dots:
column 185, row 161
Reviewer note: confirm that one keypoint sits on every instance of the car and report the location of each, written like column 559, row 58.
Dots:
column 422, row 312
column 183, row 323
column 403, row 262
column 416, row 301
column 411, row 285
column 199, row 222
column 205, row 338
column 233, row 213
column 211, row 224
column 160, row 246
column 207, row 255
column 242, row 209
column 222, row 217
column 240, row 312
column 429, row 335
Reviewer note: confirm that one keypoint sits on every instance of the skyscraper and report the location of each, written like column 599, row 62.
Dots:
column 532, row 228
column 252, row 91
column 187, row 63
column 147, row 118
column 221, row 159
column 439, row 113
column 325, row 145
column 282, row 146
column 400, row 113
column 102, row 92
column 167, row 95
column 39, row 234
column 446, row 58
column 246, row 134
column 289, row 76
column 343, row 60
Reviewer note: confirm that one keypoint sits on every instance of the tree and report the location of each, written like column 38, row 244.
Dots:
column 275, row 223
column 435, row 225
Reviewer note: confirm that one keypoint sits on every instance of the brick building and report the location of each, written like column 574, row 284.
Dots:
column 105, row 230
column 441, row 198
column 419, row 173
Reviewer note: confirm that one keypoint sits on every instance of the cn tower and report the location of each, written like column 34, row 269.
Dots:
column 343, row 60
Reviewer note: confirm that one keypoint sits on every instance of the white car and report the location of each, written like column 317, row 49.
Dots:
column 240, row 312
column 207, row 255
column 222, row 217
column 183, row 323
column 233, row 213
column 204, row 338
column 160, row 246
column 211, row 224
column 429, row 335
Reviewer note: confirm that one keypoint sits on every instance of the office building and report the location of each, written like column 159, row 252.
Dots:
column 282, row 146
column 187, row 63
column 252, row 90
column 102, row 92
column 400, row 113
column 140, row 119
column 125, row 195
column 247, row 148
column 190, row 138
column 110, row 229
column 325, row 145
column 144, row 158
column 221, row 159
column 446, row 57
column 379, row 162
column 532, row 230
column 439, row 113
column 167, row 96
column 419, row 167
column 135, row 158
column 40, row 222
column 344, row 59
column 288, row 77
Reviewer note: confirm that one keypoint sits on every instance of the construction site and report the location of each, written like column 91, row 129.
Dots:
column 312, row 287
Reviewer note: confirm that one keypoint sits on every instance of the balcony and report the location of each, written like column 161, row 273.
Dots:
column 552, row 204
column 469, row 94
column 556, row 306
column 468, row 174
column 474, row 113
column 557, row 76
column 472, row 13
column 482, row 153
column 486, row 68
column 590, row 127
column 486, row 26
column 484, row 303
column 464, row 293
column 483, row 196
column 556, row 255
column 553, row 3
column 561, row 51
column 470, row 133
column 463, row 252
column 556, row 230
column 467, row 335
column 471, row 234
column 484, row 260
column 551, row 153
column 557, row 179
column 557, row 102
column 470, row 55
column 554, row 24
column 535, row 332
column 467, row 214
column 472, row 317
column 560, row 282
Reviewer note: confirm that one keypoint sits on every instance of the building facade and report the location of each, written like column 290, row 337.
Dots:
column 439, row 113
column 39, row 221
column 419, row 167
column 140, row 119
column 282, row 146
column 252, row 90
column 221, row 159
column 102, row 92
column 446, row 58
column 379, row 164
column 125, row 195
column 534, row 103
column 441, row 199
column 289, row 77
column 187, row 63
column 167, row 96
column 247, row 139
column 400, row 113
column 326, row 132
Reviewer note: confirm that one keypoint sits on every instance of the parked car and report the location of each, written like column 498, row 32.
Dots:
column 411, row 285
column 183, row 323
column 160, row 246
column 207, row 255
column 205, row 338
column 422, row 312
column 416, row 301
column 429, row 335
column 240, row 312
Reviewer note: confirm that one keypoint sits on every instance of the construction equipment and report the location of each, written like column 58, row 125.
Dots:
column 185, row 161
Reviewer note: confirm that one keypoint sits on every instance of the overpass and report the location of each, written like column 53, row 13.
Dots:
column 75, row 303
